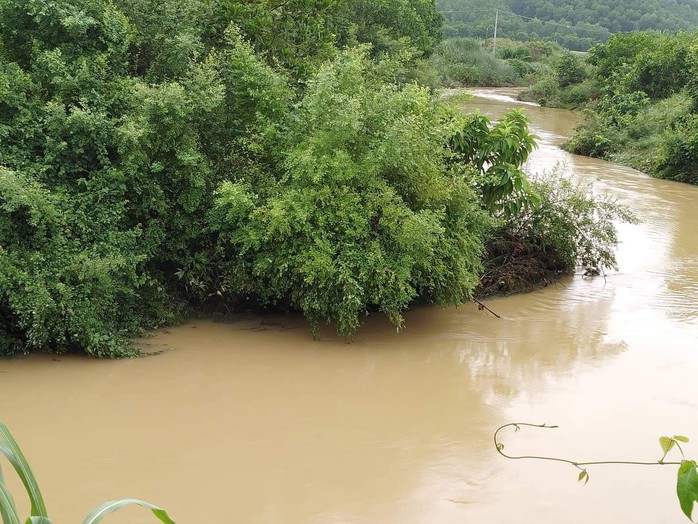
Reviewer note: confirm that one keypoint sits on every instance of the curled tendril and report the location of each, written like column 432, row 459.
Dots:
column 584, row 475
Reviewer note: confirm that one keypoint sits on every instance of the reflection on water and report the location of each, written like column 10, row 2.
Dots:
column 252, row 421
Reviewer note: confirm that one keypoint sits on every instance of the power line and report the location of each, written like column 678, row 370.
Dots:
column 503, row 11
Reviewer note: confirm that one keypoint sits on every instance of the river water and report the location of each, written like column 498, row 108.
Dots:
column 253, row 422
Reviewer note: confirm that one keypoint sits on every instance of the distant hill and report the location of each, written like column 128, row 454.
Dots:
column 575, row 24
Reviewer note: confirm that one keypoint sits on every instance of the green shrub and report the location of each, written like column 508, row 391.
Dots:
column 569, row 70
column 462, row 61
column 55, row 290
column 649, row 136
column 578, row 95
column 108, row 175
column 573, row 221
column 366, row 216
column 522, row 68
column 678, row 154
column 496, row 154
column 570, row 227
column 159, row 158
column 620, row 108
column 514, row 51
column 463, row 75
column 544, row 91
column 654, row 119
column 590, row 137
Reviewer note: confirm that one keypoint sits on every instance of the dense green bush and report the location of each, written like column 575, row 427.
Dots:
column 159, row 159
column 56, row 289
column 579, row 95
column 678, row 154
column 654, row 137
column 569, row 70
column 653, row 63
column 654, row 119
column 522, row 67
column 125, row 125
column 512, row 50
column 545, row 91
column 389, row 25
column 122, row 170
column 644, row 114
column 570, row 227
column 563, row 80
column 109, row 174
column 591, row 137
column 366, row 216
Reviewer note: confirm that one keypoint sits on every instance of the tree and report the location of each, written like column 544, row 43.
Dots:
column 390, row 25
column 569, row 70
column 367, row 217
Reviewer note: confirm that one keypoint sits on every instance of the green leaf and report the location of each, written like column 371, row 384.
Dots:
column 666, row 443
column 8, row 511
column 687, row 486
column 109, row 507
column 583, row 476
column 680, row 438
column 10, row 448
column 39, row 520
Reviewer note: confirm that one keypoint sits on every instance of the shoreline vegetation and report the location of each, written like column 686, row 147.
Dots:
column 546, row 73
column 164, row 159
column 637, row 94
column 645, row 116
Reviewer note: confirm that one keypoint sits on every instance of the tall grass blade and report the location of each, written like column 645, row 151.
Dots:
column 39, row 520
column 109, row 507
column 8, row 511
column 9, row 448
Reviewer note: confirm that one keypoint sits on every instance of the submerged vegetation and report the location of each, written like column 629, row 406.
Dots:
column 164, row 158
column 570, row 226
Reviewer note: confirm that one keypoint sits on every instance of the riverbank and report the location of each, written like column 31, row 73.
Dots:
column 396, row 427
column 641, row 104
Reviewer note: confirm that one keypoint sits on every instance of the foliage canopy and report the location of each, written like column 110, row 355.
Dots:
column 646, row 113
column 159, row 158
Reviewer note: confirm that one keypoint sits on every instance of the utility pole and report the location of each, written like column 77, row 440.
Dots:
column 494, row 42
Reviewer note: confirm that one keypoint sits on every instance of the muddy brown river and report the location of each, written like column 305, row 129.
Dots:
column 253, row 422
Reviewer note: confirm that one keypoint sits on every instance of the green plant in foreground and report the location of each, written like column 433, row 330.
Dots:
column 686, row 485
column 8, row 511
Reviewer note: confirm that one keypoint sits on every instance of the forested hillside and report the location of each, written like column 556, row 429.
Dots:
column 575, row 24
